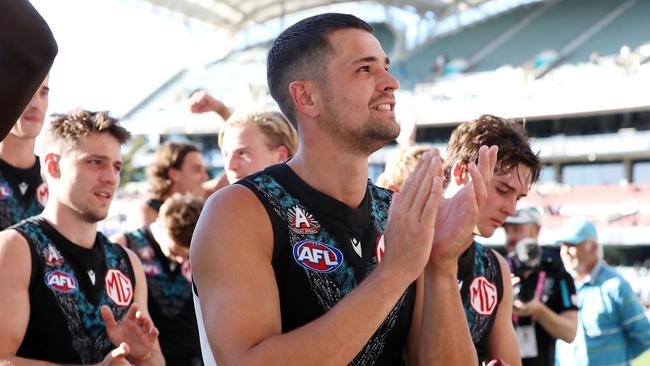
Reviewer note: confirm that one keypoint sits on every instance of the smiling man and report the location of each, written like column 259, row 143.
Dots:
column 302, row 264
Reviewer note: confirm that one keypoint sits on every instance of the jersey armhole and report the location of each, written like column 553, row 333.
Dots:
column 276, row 222
column 34, row 259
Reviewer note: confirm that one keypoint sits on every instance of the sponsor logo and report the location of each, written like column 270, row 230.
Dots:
column 23, row 187
column 146, row 253
column 317, row 256
column 118, row 287
column 483, row 295
column 42, row 193
column 52, row 256
column 61, row 282
column 356, row 245
column 380, row 248
column 151, row 268
column 302, row 222
column 5, row 192
column 91, row 275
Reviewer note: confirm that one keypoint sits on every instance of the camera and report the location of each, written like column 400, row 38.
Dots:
column 525, row 261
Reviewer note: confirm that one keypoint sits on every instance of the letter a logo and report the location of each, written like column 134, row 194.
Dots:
column 302, row 222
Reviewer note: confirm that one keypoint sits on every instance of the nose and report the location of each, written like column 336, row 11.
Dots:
column 389, row 83
column 110, row 176
column 510, row 207
column 231, row 163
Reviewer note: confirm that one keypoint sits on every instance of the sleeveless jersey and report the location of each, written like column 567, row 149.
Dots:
column 170, row 299
column 22, row 193
column 481, row 290
column 323, row 249
column 68, row 286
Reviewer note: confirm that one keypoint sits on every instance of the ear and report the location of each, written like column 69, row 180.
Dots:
column 174, row 174
column 459, row 173
column 283, row 153
column 52, row 165
column 303, row 100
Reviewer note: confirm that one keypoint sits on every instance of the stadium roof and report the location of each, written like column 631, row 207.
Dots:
column 234, row 15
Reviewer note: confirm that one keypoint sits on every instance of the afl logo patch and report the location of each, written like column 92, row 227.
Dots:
column 317, row 256
column 60, row 281
column 118, row 287
column 42, row 193
column 483, row 296
column 5, row 192
column 302, row 222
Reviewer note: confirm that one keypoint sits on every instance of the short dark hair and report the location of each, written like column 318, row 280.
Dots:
column 509, row 135
column 299, row 52
column 68, row 128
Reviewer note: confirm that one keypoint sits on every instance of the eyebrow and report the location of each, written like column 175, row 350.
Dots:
column 511, row 188
column 100, row 157
column 370, row 59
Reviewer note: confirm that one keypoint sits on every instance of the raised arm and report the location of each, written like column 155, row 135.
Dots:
column 231, row 263
column 27, row 50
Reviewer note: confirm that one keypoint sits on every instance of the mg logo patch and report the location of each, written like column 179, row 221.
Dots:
column 302, row 222
column 42, row 193
column 118, row 287
column 483, row 295
column 316, row 256
column 61, row 281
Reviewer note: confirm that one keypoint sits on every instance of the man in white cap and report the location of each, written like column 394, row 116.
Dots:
column 544, row 293
column 525, row 223
column 612, row 326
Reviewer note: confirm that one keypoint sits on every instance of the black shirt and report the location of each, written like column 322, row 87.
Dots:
column 22, row 193
column 322, row 250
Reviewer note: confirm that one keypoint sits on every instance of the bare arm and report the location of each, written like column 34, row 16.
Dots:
column 443, row 312
column 503, row 342
column 563, row 325
column 27, row 50
column 231, row 263
column 201, row 102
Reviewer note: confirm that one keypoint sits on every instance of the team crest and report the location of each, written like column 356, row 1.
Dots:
column 146, row 253
column 52, row 256
column 302, row 222
column 118, row 287
column 5, row 192
column 42, row 193
column 380, row 248
column 151, row 268
column 60, row 281
column 483, row 295
column 316, row 256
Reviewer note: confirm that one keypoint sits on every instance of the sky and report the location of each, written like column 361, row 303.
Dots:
column 113, row 53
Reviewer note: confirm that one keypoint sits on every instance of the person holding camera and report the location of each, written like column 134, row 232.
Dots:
column 544, row 295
